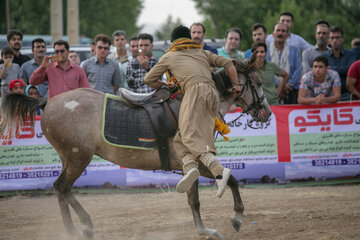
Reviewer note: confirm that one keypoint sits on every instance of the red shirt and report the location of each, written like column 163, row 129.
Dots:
column 60, row 80
column 354, row 72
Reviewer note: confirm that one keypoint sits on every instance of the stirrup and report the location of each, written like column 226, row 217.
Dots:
column 188, row 180
column 223, row 182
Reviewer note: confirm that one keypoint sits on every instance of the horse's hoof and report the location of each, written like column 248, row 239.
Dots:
column 88, row 233
column 236, row 222
column 210, row 234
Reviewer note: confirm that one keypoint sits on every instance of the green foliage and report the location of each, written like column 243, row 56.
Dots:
column 164, row 33
column 106, row 16
column 225, row 14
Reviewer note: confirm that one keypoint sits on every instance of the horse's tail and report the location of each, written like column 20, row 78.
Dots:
column 18, row 108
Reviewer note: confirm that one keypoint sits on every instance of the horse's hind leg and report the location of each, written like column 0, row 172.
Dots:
column 63, row 185
column 236, row 220
column 193, row 200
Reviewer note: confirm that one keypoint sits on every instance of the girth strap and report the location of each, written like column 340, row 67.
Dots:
column 160, row 114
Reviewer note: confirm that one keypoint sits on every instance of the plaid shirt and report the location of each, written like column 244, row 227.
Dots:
column 135, row 74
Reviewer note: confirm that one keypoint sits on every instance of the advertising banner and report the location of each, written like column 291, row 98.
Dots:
column 297, row 142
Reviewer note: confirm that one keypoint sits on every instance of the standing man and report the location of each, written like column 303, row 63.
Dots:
column 259, row 34
column 293, row 39
column 14, row 40
column 353, row 80
column 322, row 38
column 232, row 42
column 141, row 65
column 134, row 47
column 288, row 58
column 120, row 55
column 61, row 75
column 38, row 47
column 194, row 142
column 197, row 31
column 119, row 40
column 339, row 58
column 102, row 72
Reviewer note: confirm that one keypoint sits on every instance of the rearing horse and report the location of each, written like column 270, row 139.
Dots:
column 72, row 122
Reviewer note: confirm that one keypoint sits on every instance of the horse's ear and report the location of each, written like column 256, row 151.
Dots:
column 253, row 59
column 252, row 63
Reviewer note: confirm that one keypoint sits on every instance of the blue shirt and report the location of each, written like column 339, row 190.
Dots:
column 341, row 64
column 293, row 40
column 209, row 48
column 28, row 68
column 295, row 67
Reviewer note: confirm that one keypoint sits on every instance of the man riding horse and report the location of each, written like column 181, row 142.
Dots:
column 189, row 65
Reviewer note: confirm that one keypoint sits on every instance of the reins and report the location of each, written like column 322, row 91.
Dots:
column 256, row 104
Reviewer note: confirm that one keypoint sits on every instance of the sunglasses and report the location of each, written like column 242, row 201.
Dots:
column 101, row 47
column 60, row 51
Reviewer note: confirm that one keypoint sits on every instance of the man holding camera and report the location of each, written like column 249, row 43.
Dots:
column 61, row 74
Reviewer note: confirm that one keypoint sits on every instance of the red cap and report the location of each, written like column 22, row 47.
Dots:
column 15, row 83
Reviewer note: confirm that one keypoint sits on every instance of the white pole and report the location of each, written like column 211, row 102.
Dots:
column 56, row 20
column 73, row 21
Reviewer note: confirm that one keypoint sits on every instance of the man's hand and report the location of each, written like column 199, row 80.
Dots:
column 236, row 90
column 45, row 63
column 7, row 62
column 144, row 61
column 320, row 99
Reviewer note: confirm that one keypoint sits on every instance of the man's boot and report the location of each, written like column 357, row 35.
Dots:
column 191, row 174
column 220, row 173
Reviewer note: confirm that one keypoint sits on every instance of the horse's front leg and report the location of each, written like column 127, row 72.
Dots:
column 193, row 200
column 236, row 220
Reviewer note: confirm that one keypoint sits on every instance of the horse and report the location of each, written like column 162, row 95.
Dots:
column 71, row 122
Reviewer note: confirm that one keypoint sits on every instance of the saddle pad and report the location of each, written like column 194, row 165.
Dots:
column 123, row 126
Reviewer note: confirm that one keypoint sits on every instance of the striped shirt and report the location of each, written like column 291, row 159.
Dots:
column 11, row 72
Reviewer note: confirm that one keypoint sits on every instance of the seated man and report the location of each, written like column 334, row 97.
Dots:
column 321, row 85
column 353, row 80
column 269, row 70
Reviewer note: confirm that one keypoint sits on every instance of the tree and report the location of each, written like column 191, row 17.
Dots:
column 33, row 17
column 225, row 14
column 164, row 33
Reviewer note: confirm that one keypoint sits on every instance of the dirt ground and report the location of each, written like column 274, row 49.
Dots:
column 331, row 212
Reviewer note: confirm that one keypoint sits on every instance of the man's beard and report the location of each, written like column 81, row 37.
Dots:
column 197, row 40
column 321, row 41
column 16, row 47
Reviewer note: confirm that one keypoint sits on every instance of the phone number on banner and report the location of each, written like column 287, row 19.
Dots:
column 333, row 162
column 37, row 174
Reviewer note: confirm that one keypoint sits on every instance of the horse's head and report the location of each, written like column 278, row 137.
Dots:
column 251, row 98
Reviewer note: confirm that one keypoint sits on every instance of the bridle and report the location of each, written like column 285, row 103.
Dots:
column 257, row 100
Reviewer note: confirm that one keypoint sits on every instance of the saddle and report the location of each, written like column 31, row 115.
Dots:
column 163, row 117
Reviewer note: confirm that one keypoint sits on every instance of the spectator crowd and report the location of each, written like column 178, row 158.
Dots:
column 293, row 71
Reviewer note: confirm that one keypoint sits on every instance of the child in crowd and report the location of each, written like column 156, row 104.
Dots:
column 33, row 91
column 16, row 86
column 9, row 70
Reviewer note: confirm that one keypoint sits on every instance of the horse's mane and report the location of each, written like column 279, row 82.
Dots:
column 223, row 82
